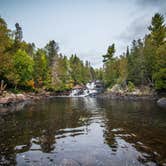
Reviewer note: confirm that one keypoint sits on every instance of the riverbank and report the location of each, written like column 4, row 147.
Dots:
column 10, row 102
column 13, row 102
column 130, row 93
column 128, row 96
column 136, row 95
column 10, row 98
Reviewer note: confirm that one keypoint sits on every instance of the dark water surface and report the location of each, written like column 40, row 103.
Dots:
column 84, row 131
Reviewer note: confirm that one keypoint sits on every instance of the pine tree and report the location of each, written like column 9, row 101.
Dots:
column 52, row 49
column 110, row 53
column 18, row 33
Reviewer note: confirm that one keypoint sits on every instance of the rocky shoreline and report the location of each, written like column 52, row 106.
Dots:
column 127, row 96
column 12, row 98
column 10, row 102
column 160, row 101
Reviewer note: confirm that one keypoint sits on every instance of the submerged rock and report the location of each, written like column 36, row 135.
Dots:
column 162, row 102
column 69, row 162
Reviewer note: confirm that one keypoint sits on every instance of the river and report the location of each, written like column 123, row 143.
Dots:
column 84, row 131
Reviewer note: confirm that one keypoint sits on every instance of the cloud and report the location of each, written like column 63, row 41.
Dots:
column 86, row 27
column 136, row 29
column 160, row 4
column 141, row 19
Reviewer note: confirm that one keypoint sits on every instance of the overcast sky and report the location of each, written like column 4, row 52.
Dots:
column 84, row 27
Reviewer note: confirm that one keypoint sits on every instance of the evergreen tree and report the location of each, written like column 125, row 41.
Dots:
column 110, row 53
column 110, row 66
column 157, row 29
column 18, row 33
column 160, row 68
column 52, row 49
column 158, row 36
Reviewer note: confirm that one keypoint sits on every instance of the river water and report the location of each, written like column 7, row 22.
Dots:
column 84, row 131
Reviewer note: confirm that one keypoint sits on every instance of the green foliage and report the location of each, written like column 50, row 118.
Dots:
column 4, row 36
column 149, row 54
column 160, row 57
column 144, row 63
column 51, row 49
column 24, row 65
column 115, row 69
column 110, row 53
column 160, row 79
column 136, row 63
column 122, row 70
column 159, row 75
column 157, row 29
column 147, row 59
column 22, row 68
column 80, row 72
column 131, row 86
column 18, row 33
column 110, row 71
column 99, row 74
column 15, row 90
column 40, row 68
column 5, row 44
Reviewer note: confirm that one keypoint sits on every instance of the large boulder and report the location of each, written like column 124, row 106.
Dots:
column 162, row 102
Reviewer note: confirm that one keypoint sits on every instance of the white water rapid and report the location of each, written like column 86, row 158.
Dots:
column 90, row 89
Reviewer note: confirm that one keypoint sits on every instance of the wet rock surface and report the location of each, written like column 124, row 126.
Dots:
column 162, row 102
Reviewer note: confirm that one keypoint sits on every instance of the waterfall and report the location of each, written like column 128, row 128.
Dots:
column 90, row 89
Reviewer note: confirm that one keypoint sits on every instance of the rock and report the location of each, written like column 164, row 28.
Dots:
column 4, row 100
column 136, row 92
column 12, row 95
column 20, row 97
column 162, row 102
column 69, row 162
column 12, row 98
column 116, row 88
column 12, row 102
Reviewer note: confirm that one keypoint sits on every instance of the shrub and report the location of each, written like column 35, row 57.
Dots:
column 160, row 79
column 131, row 86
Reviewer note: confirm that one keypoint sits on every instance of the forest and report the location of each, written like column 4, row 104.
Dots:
column 144, row 63
column 26, row 67
column 23, row 66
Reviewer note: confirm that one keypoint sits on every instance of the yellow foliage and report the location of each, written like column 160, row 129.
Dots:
column 69, row 85
column 31, row 83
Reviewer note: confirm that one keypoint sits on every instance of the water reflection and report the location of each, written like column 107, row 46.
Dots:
column 142, row 125
column 88, row 131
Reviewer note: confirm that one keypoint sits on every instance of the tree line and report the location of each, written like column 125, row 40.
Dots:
column 144, row 63
column 24, row 66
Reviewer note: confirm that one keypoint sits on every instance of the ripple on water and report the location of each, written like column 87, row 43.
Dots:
column 84, row 131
